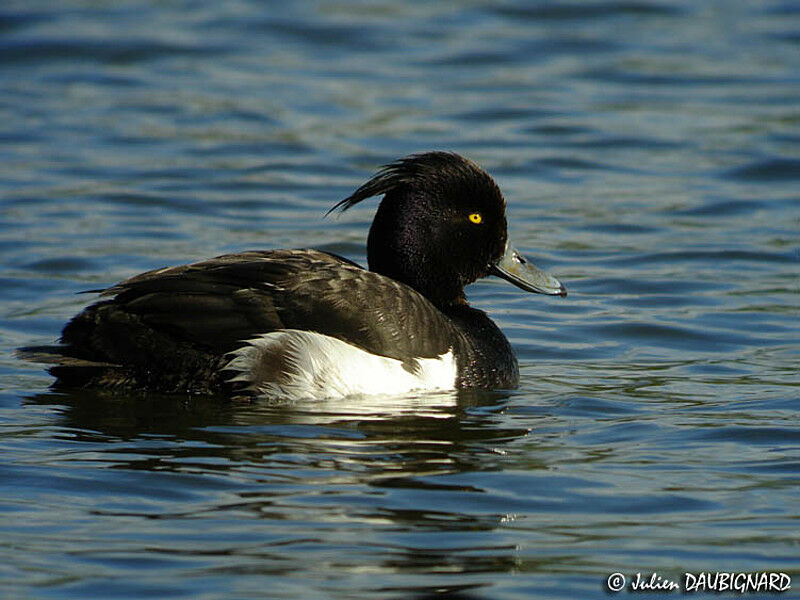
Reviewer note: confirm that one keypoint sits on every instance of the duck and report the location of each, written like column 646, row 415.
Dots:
column 306, row 323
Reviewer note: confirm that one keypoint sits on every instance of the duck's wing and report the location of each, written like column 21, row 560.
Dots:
column 219, row 304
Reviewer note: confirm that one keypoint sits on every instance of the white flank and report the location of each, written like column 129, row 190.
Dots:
column 312, row 365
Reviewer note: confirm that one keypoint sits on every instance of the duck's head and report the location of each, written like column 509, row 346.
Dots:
column 440, row 226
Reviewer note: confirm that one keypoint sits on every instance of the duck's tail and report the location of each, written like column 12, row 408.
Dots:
column 57, row 354
column 69, row 371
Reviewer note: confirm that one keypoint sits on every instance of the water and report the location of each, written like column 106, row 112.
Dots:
column 649, row 154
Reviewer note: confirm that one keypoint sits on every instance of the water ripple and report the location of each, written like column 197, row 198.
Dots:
column 122, row 51
column 776, row 169
column 582, row 11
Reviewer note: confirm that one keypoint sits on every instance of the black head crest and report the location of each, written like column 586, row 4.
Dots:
column 423, row 168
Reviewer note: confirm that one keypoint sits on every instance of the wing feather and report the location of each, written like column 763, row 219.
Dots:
column 219, row 303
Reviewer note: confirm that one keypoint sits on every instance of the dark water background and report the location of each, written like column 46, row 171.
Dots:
column 649, row 154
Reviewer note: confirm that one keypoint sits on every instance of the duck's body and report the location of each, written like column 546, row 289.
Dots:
column 305, row 323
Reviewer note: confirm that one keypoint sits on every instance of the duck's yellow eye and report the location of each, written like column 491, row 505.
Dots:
column 476, row 218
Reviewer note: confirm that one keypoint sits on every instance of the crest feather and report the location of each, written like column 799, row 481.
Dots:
column 425, row 166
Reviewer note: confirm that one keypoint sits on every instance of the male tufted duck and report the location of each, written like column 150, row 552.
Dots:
column 307, row 323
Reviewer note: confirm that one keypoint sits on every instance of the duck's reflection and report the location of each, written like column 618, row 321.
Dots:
column 408, row 473
column 366, row 440
column 134, row 414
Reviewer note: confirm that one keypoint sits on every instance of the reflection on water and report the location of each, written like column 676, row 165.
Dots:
column 648, row 155
column 424, row 433
column 348, row 475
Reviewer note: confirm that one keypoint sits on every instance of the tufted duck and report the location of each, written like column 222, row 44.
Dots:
column 307, row 323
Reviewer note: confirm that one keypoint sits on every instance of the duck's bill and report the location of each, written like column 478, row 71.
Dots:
column 515, row 268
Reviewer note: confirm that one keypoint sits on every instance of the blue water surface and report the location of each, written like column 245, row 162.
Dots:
column 649, row 153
